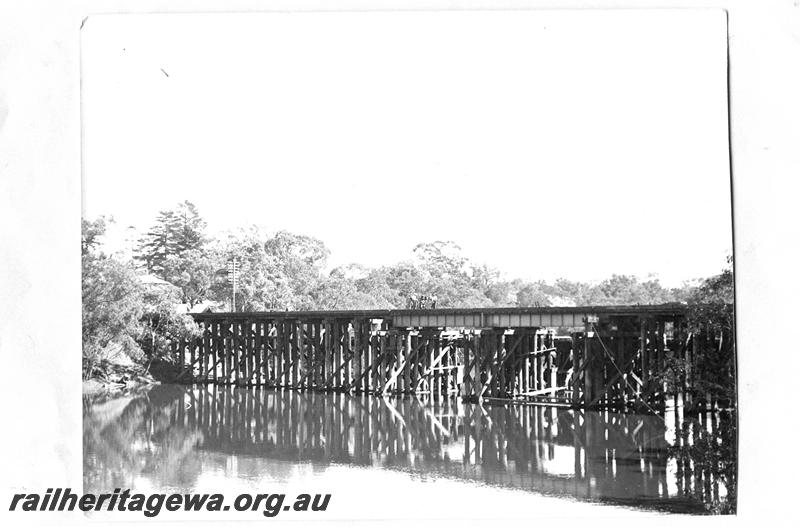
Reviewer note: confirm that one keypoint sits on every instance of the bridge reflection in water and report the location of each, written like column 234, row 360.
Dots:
column 587, row 455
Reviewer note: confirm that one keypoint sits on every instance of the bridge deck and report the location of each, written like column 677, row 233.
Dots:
column 469, row 317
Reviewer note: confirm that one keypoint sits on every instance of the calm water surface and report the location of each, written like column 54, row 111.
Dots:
column 224, row 439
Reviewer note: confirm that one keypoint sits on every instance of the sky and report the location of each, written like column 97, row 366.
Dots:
column 547, row 144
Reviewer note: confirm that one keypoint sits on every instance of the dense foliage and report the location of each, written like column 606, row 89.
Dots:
column 111, row 309
column 711, row 318
column 123, row 318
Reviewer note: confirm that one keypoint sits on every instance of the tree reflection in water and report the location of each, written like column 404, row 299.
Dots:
column 705, row 454
column 625, row 459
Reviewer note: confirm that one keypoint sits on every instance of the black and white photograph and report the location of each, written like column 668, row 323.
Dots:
column 318, row 252
column 438, row 265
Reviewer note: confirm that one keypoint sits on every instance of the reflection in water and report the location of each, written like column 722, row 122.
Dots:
column 628, row 459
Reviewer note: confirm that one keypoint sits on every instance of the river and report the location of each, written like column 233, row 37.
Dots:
column 405, row 457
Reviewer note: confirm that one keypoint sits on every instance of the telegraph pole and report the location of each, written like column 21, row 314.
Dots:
column 233, row 270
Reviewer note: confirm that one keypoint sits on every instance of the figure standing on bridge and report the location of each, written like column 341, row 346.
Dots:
column 423, row 301
column 411, row 302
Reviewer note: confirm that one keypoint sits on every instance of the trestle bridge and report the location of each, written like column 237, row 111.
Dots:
column 598, row 356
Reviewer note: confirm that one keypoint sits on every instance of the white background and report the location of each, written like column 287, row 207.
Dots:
column 40, row 208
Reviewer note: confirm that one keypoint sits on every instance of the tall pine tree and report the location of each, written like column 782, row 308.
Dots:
column 188, row 228
column 174, row 233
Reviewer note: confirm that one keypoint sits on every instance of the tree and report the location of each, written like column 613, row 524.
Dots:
column 443, row 260
column 91, row 232
column 195, row 272
column 340, row 290
column 277, row 272
column 255, row 291
column 652, row 292
column 580, row 293
column 188, row 228
column 405, row 280
column 711, row 320
column 532, row 295
column 711, row 323
column 449, row 275
column 375, row 285
column 298, row 261
column 712, row 298
column 112, row 308
column 629, row 290
column 157, row 244
column 486, row 280
column 174, row 233
column 501, row 294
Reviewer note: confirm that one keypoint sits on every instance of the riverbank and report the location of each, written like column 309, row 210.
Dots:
column 109, row 378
